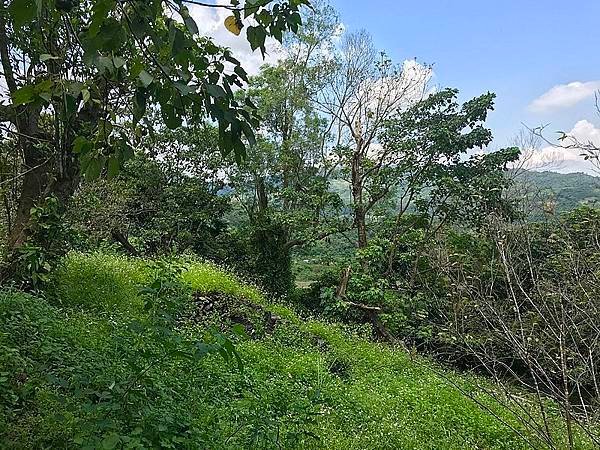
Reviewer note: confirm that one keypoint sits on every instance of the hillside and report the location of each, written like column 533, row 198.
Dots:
column 101, row 364
column 569, row 190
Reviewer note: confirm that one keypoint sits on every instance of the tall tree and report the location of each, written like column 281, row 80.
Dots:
column 432, row 157
column 81, row 76
column 362, row 92
column 286, row 174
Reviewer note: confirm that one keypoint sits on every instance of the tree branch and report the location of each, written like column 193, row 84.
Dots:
column 5, row 53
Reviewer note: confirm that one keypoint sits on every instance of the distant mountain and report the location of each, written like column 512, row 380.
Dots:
column 568, row 190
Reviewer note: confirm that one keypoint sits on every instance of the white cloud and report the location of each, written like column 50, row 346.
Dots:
column 210, row 23
column 564, row 96
column 391, row 93
column 567, row 160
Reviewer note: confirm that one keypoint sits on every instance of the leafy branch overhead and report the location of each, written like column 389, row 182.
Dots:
column 100, row 65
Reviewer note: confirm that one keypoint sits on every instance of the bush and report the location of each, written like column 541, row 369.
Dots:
column 117, row 372
column 259, row 252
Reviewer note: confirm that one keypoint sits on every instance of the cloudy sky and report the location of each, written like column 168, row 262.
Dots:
column 542, row 59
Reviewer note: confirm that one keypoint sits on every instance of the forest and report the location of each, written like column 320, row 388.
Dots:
column 328, row 253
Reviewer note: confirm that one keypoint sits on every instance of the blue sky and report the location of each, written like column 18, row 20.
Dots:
column 541, row 58
column 517, row 49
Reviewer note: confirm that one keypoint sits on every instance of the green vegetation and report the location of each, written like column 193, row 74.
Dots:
column 92, row 366
column 569, row 190
column 325, row 254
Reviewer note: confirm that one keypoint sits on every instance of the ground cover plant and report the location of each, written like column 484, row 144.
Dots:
column 118, row 356
column 249, row 224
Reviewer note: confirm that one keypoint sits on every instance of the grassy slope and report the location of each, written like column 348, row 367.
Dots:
column 88, row 368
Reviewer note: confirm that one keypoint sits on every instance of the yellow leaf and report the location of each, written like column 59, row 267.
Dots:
column 233, row 25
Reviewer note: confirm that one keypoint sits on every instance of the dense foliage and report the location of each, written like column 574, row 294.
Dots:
column 141, row 167
column 121, row 356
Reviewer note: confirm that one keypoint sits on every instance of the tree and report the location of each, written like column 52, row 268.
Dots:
column 362, row 92
column 82, row 77
column 426, row 163
column 429, row 157
column 163, row 201
column 286, row 175
column 283, row 184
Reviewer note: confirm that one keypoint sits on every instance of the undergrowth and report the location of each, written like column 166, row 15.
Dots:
column 126, row 353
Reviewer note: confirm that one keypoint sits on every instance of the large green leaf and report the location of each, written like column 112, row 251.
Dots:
column 171, row 119
column 145, row 78
column 94, row 168
column 139, row 104
column 215, row 91
column 113, row 167
column 24, row 95
column 22, row 12
column 256, row 37
column 81, row 145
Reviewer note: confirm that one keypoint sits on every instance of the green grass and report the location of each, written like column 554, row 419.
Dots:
column 91, row 366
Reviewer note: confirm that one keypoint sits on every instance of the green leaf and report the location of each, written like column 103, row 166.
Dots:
column 146, row 78
column 118, row 62
column 139, row 104
column 296, row 18
column 100, row 13
column 249, row 133
column 81, row 145
column 171, row 119
column 203, row 349
column 240, row 72
column 113, row 167
column 178, row 41
column 24, row 95
column 183, row 88
column 277, row 33
column 190, row 23
column 70, row 104
column 256, row 37
column 22, row 12
column 215, row 90
column 74, row 88
column 85, row 94
column 126, row 151
column 110, row 441
column 94, row 168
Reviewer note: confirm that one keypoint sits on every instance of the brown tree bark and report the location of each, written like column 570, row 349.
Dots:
column 360, row 214
column 49, row 167
column 122, row 239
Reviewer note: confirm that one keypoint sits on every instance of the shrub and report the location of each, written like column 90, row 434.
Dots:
column 103, row 370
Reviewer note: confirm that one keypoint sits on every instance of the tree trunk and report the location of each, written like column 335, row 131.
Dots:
column 122, row 239
column 50, row 169
column 33, row 186
column 361, row 226
column 261, row 195
column 360, row 216
column 340, row 291
column 40, row 181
